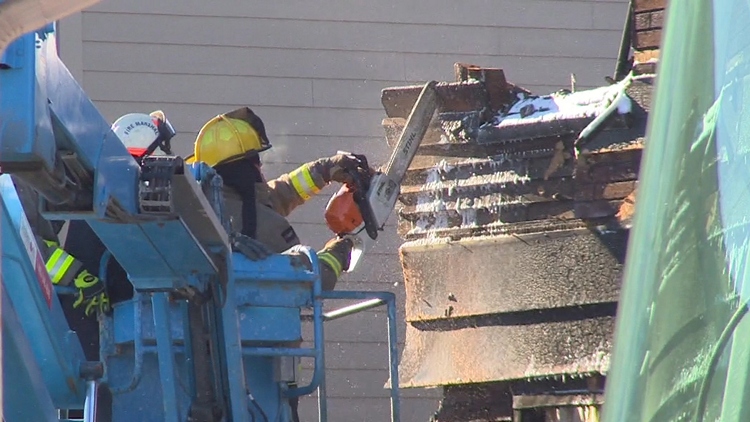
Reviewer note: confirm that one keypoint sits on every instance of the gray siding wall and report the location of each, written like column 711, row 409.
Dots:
column 313, row 70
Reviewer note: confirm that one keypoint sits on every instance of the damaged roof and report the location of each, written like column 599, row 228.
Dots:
column 511, row 212
column 477, row 171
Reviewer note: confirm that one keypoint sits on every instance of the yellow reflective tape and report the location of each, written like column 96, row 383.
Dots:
column 310, row 183
column 331, row 261
column 50, row 264
column 50, row 243
column 58, row 264
column 69, row 260
column 303, row 183
column 298, row 188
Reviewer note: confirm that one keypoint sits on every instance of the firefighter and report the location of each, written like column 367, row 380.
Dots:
column 231, row 143
column 65, row 269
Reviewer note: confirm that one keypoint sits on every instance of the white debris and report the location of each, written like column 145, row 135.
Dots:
column 440, row 198
column 624, row 105
column 483, row 181
column 564, row 105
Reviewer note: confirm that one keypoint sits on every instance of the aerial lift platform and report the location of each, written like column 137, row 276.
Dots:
column 206, row 336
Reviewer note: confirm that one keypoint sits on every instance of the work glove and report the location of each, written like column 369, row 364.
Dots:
column 337, row 254
column 343, row 167
column 249, row 247
column 92, row 294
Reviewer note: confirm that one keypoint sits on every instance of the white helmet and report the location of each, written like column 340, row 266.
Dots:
column 141, row 132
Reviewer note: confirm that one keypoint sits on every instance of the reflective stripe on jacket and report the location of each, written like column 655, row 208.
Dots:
column 62, row 267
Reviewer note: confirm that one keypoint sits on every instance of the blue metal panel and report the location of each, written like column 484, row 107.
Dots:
column 264, row 324
column 137, row 314
column 266, row 391
column 56, row 350
column 289, row 294
column 88, row 133
column 25, row 397
column 283, row 268
column 40, row 92
column 167, row 368
column 178, row 247
column 145, row 402
column 256, row 324
column 231, row 351
column 131, row 248
column 156, row 255
column 13, row 55
column 20, row 107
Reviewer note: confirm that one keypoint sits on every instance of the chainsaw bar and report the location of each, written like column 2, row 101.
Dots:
column 415, row 129
column 385, row 186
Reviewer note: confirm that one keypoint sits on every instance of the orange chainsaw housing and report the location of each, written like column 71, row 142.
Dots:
column 342, row 213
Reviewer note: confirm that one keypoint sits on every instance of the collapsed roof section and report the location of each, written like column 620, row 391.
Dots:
column 511, row 212
column 499, row 160
column 557, row 114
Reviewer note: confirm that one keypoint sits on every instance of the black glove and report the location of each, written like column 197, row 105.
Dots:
column 343, row 167
column 249, row 247
column 340, row 249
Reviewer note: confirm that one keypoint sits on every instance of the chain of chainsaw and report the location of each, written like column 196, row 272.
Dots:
column 155, row 185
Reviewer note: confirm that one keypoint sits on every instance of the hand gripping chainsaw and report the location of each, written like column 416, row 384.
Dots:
column 360, row 209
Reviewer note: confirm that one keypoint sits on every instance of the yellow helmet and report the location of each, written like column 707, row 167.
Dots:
column 230, row 136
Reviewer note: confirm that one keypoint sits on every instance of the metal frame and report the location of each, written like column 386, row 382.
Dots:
column 372, row 300
column 165, row 328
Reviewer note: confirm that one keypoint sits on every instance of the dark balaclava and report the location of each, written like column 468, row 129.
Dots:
column 242, row 175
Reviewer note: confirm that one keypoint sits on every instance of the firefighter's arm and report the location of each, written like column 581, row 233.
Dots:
column 293, row 189
column 334, row 259
column 65, row 270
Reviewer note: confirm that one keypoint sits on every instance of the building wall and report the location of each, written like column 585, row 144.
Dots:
column 313, row 71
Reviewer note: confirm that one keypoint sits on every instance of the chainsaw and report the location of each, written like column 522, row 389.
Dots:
column 359, row 209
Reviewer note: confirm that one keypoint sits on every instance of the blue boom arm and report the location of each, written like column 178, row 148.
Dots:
column 209, row 334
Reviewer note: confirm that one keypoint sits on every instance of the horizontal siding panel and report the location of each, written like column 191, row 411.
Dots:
column 194, row 89
column 368, row 410
column 518, row 70
column 610, row 15
column 369, row 356
column 364, row 327
column 244, row 61
column 363, row 384
column 510, row 13
column 290, row 149
column 278, row 120
column 235, row 89
column 360, row 93
column 347, row 36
